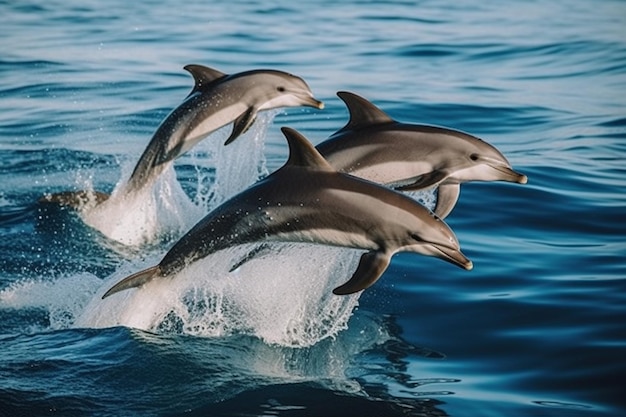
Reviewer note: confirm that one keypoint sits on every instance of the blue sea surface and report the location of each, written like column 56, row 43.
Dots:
column 537, row 328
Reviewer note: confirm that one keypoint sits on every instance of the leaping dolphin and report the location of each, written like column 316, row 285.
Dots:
column 216, row 100
column 307, row 200
column 406, row 156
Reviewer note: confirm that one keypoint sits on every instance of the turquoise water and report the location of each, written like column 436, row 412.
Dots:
column 536, row 328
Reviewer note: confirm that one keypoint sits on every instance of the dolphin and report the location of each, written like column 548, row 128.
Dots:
column 216, row 100
column 307, row 200
column 412, row 157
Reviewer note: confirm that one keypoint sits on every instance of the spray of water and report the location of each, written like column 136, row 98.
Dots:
column 140, row 218
column 165, row 209
column 283, row 296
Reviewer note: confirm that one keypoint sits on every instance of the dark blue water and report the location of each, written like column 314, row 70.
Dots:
column 537, row 328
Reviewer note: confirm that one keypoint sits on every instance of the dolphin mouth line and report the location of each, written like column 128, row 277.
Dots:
column 310, row 101
column 516, row 176
column 455, row 257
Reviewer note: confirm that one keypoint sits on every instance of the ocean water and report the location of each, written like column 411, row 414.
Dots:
column 537, row 328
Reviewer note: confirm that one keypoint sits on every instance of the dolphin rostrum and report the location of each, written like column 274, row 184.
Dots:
column 216, row 100
column 412, row 157
column 307, row 200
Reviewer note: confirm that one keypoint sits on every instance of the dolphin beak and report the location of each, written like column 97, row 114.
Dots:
column 453, row 256
column 510, row 175
column 521, row 178
column 311, row 101
column 318, row 104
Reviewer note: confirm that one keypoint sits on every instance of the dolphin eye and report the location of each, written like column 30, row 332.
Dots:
column 415, row 236
column 474, row 157
column 281, row 89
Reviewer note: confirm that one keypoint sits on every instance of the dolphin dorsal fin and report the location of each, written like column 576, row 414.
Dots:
column 203, row 76
column 362, row 112
column 302, row 153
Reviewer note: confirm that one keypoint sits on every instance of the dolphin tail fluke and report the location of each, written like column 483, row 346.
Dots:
column 135, row 280
column 447, row 196
column 371, row 267
column 242, row 124
column 75, row 199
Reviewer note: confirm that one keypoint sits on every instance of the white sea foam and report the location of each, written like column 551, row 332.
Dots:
column 142, row 217
column 63, row 299
column 284, row 298
column 165, row 209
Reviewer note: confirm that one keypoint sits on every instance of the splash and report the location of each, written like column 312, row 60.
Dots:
column 140, row 218
column 284, row 298
column 239, row 164
column 63, row 299
column 281, row 296
column 165, row 209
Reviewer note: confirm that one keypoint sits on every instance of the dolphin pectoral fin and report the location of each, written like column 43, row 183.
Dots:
column 75, row 199
column 424, row 181
column 135, row 280
column 447, row 195
column 242, row 124
column 371, row 267
column 257, row 252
